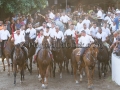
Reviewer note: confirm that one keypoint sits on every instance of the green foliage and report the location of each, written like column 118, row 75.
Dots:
column 21, row 6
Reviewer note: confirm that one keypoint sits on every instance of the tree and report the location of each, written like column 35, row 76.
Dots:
column 20, row 6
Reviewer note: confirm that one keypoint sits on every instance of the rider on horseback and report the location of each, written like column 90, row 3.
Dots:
column 19, row 39
column 39, row 40
column 102, row 35
column 84, row 42
column 4, row 35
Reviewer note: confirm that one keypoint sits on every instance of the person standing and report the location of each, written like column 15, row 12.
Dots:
column 99, row 16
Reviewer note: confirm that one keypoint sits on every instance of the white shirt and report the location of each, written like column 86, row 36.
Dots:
column 52, row 32
column 51, row 15
column 59, row 35
column 86, row 30
column 18, row 39
column 32, row 32
column 108, row 19
column 4, row 34
column 41, row 27
column 113, row 27
column 99, row 14
column 93, row 31
column 84, row 41
column 79, row 26
column 87, row 22
column 49, row 25
column 46, row 33
column 22, row 32
column 69, row 32
column 64, row 19
column 106, row 30
column 103, row 35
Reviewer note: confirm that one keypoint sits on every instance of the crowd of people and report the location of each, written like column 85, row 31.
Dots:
column 84, row 26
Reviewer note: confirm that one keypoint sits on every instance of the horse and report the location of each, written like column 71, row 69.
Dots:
column 31, row 49
column 58, row 56
column 20, row 60
column 103, row 58
column 44, row 60
column 89, row 60
column 69, row 46
column 8, row 46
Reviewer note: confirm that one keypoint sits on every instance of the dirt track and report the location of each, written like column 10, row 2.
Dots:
column 66, row 83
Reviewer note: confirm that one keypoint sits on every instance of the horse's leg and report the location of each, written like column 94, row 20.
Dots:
column 21, row 72
column 31, row 65
column 80, row 70
column 92, row 73
column 46, row 76
column 12, row 64
column 67, row 62
column 3, row 64
column 75, row 73
column 88, row 76
column 60, row 66
column 99, row 70
column 54, row 68
column 7, row 58
column 71, row 68
column 15, row 69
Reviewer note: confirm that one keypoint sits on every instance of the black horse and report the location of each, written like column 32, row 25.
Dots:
column 31, row 48
column 103, row 58
column 19, row 59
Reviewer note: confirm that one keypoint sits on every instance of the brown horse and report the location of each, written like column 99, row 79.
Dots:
column 44, row 62
column 8, row 46
column 20, row 60
column 88, row 63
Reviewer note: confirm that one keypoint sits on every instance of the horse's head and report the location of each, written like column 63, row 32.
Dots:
column 58, row 44
column 94, row 50
column 45, row 42
column 17, row 51
column 99, row 43
column 69, row 40
column 53, row 42
column 27, row 39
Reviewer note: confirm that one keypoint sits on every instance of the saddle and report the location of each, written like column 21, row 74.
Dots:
column 78, row 54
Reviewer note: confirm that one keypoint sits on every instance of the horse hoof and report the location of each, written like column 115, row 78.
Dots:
column 76, row 82
column 102, row 74
column 44, row 86
column 60, row 75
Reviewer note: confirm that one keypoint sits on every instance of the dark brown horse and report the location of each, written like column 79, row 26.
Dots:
column 89, row 59
column 31, row 49
column 20, row 60
column 8, row 46
column 58, row 56
column 69, row 46
column 44, row 62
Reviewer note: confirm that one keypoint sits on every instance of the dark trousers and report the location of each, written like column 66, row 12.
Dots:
column 2, row 46
column 82, row 51
column 66, row 25
column 99, row 22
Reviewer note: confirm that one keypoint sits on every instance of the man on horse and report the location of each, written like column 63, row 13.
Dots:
column 32, row 32
column 4, row 35
column 84, row 42
column 19, row 39
column 102, row 35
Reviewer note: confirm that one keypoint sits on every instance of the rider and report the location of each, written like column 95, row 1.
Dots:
column 4, row 37
column 102, row 35
column 19, row 39
column 39, row 40
column 32, row 32
column 84, row 42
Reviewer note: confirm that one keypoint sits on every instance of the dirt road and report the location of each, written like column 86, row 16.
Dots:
column 66, row 83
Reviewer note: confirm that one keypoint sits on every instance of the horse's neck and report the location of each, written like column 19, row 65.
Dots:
column 45, row 52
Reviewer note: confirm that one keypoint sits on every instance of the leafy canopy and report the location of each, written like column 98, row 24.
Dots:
column 21, row 6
